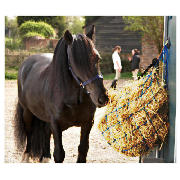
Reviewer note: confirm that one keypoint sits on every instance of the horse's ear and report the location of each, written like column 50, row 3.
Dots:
column 68, row 37
column 91, row 33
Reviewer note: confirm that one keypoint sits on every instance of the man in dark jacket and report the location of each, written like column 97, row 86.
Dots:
column 135, row 60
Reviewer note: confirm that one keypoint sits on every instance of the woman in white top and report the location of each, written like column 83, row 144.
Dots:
column 117, row 64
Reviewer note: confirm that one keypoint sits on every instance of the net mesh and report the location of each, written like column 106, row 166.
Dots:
column 136, row 116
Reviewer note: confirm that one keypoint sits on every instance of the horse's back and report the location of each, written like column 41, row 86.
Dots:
column 30, row 79
column 37, row 59
column 33, row 66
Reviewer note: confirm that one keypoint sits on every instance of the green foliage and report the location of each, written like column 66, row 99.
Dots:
column 10, row 76
column 90, row 19
column 108, row 76
column 151, row 27
column 36, row 28
column 33, row 34
column 126, row 75
column 126, row 65
column 106, row 63
column 6, row 21
column 57, row 22
column 11, row 72
column 11, row 27
column 75, row 24
column 13, row 44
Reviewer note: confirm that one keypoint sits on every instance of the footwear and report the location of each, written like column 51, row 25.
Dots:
column 114, row 83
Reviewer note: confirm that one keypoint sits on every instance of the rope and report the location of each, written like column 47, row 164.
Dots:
column 164, row 57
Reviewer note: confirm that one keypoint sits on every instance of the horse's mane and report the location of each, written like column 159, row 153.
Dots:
column 59, row 66
column 58, row 46
column 83, row 49
column 61, row 77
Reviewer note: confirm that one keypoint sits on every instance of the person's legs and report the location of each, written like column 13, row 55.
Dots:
column 114, row 83
column 135, row 73
column 117, row 74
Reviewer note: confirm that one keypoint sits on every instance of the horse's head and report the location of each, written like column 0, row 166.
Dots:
column 83, row 61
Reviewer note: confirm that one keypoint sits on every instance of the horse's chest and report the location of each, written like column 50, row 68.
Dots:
column 76, row 116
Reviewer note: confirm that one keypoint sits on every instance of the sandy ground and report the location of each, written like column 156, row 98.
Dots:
column 99, row 150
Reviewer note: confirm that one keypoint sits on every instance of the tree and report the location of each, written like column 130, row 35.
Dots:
column 11, row 27
column 90, row 19
column 75, row 24
column 6, row 21
column 152, row 27
column 57, row 22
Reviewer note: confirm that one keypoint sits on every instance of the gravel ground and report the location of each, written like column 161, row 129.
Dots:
column 99, row 150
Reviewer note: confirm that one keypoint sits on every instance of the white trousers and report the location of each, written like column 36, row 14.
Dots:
column 135, row 73
column 118, row 74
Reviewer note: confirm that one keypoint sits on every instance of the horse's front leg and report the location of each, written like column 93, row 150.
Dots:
column 84, row 142
column 59, row 153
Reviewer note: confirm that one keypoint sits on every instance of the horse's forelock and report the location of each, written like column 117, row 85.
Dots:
column 86, row 54
column 87, row 46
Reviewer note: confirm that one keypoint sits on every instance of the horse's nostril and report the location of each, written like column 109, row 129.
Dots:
column 100, row 100
column 103, row 99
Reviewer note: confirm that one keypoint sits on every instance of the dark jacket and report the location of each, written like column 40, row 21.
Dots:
column 135, row 62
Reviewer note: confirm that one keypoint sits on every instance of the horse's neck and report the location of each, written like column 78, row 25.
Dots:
column 61, row 79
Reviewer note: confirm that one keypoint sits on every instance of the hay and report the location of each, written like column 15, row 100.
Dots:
column 135, row 119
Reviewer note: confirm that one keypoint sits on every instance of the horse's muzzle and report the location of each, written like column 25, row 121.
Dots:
column 103, row 100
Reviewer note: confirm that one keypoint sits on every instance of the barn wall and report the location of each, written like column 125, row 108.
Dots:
column 110, row 32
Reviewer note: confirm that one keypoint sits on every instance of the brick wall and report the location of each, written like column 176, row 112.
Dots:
column 149, row 52
column 33, row 43
column 15, row 59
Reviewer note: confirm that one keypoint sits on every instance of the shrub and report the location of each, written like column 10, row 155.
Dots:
column 36, row 28
column 33, row 34
column 126, row 65
column 57, row 22
column 10, row 76
column 13, row 44
column 106, row 63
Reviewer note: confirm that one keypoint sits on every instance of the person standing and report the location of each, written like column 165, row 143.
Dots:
column 135, row 60
column 117, row 65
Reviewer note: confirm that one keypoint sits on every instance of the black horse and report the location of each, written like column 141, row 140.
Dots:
column 55, row 93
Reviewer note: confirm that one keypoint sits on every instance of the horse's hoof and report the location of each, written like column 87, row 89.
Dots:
column 81, row 160
column 25, row 158
column 46, row 160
